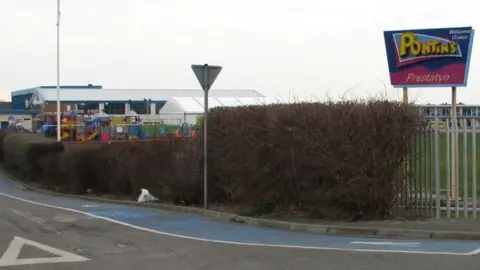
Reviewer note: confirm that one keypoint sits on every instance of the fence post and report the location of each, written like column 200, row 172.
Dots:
column 431, row 171
column 465, row 169
column 474, row 166
column 437, row 171
column 457, row 186
column 448, row 174
column 419, row 169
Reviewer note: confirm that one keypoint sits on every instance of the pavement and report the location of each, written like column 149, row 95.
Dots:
column 465, row 226
column 41, row 231
column 443, row 229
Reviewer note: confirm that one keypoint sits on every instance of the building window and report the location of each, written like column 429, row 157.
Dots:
column 140, row 107
column 87, row 108
column 114, row 108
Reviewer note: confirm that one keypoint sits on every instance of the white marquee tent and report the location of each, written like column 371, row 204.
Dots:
column 187, row 109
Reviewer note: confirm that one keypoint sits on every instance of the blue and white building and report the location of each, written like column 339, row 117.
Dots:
column 152, row 105
column 21, row 97
column 444, row 110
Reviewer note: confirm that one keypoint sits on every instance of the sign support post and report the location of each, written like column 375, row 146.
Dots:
column 205, row 152
column 407, row 158
column 206, row 76
column 405, row 95
column 453, row 153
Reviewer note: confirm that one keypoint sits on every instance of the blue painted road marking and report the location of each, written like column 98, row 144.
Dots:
column 200, row 227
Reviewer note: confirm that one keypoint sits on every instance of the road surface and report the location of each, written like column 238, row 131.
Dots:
column 43, row 232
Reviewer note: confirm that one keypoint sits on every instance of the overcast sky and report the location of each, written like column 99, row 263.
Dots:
column 304, row 47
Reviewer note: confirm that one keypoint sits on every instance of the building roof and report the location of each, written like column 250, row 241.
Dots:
column 63, row 87
column 125, row 95
column 89, row 86
column 196, row 104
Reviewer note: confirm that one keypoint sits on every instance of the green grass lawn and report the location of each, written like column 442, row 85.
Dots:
column 423, row 167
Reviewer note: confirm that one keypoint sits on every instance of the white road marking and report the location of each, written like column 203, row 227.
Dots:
column 401, row 244
column 89, row 205
column 10, row 257
column 232, row 242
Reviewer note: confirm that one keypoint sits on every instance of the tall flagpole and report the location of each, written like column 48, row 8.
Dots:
column 58, row 73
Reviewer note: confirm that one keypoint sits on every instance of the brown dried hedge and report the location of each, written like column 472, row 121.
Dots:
column 3, row 134
column 21, row 151
column 335, row 160
column 165, row 168
column 330, row 160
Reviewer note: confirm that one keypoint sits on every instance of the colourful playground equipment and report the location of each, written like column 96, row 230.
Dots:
column 128, row 127
column 95, row 129
column 77, row 128
column 102, row 127
column 68, row 127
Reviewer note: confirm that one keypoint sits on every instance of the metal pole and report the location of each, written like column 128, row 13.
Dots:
column 431, row 171
column 455, row 187
column 448, row 173
column 437, row 172
column 58, row 73
column 406, row 164
column 465, row 168
column 453, row 164
column 205, row 154
column 474, row 166
column 457, row 175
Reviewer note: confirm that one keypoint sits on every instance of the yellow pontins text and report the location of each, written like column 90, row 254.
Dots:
column 410, row 45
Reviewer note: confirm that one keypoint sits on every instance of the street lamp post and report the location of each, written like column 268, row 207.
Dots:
column 58, row 72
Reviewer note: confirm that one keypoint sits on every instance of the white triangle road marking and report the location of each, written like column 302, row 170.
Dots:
column 10, row 257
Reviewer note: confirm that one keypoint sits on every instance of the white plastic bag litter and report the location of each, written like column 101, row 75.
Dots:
column 145, row 196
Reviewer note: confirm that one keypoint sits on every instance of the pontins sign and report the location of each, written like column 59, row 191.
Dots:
column 429, row 57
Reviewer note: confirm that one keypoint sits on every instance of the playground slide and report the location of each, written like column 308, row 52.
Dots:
column 91, row 137
column 65, row 136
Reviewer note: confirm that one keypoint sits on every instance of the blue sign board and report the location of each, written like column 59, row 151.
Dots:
column 429, row 57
